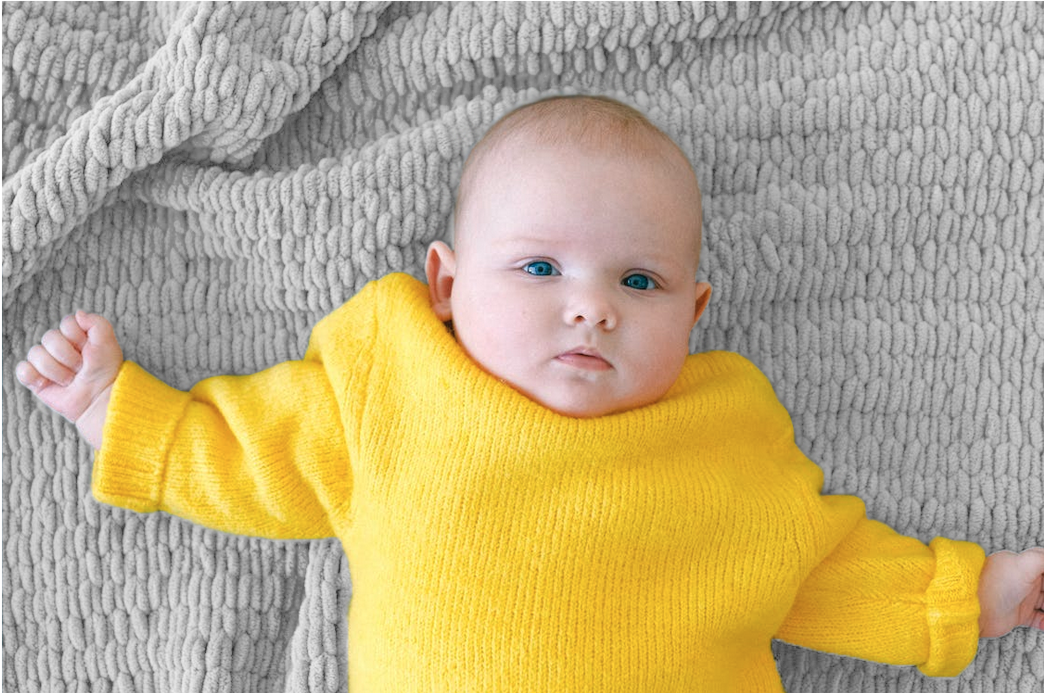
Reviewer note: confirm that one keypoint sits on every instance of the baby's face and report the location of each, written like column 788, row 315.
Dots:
column 573, row 277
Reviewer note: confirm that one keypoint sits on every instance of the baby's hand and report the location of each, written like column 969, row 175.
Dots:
column 72, row 371
column 1011, row 592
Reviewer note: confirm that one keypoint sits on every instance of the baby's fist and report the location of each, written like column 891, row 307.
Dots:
column 73, row 366
column 1011, row 592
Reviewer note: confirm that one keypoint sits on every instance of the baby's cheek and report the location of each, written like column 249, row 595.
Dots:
column 666, row 365
column 493, row 350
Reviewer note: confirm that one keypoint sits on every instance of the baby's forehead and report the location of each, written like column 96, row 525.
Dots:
column 505, row 179
column 500, row 165
column 590, row 129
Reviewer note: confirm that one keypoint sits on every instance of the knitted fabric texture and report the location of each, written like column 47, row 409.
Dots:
column 215, row 178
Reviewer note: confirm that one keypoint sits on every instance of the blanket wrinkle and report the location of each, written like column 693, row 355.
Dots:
column 215, row 177
column 226, row 78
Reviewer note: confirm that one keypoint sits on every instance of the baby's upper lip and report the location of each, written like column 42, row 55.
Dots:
column 585, row 351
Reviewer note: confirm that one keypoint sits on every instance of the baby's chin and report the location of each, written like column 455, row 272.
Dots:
column 579, row 398
column 580, row 407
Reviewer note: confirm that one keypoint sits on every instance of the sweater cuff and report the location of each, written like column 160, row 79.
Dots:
column 953, row 607
column 140, row 421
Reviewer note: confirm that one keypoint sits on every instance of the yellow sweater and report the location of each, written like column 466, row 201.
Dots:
column 497, row 546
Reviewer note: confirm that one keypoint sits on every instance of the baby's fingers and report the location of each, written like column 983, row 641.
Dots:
column 27, row 375
column 61, row 350
column 47, row 367
column 96, row 329
column 72, row 331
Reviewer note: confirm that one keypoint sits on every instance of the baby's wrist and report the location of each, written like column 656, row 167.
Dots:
column 92, row 421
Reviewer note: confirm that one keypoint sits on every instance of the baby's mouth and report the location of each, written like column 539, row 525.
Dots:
column 585, row 359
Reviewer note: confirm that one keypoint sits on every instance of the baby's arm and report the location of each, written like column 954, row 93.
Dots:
column 1011, row 592
column 259, row 455
column 72, row 371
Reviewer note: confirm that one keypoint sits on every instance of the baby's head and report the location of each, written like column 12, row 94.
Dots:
column 576, row 243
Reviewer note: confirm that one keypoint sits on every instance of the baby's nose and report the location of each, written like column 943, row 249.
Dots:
column 592, row 308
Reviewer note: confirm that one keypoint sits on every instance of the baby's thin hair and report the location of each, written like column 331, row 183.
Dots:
column 595, row 122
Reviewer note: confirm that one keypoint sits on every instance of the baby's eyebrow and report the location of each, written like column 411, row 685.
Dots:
column 654, row 258
column 528, row 240
column 528, row 247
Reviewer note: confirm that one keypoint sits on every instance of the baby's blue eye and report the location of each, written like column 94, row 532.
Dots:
column 639, row 281
column 540, row 268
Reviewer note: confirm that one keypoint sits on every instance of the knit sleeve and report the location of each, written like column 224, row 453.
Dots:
column 260, row 455
column 889, row 598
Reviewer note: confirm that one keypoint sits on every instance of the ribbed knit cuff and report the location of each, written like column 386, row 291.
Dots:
column 139, row 426
column 953, row 607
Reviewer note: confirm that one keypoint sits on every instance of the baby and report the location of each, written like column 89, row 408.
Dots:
column 537, row 487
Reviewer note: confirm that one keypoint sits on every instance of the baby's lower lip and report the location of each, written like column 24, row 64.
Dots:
column 584, row 361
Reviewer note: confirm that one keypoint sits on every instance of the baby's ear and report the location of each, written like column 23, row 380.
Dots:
column 440, row 268
column 703, row 294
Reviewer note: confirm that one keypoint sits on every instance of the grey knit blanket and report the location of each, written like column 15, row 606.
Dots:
column 214, row 178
